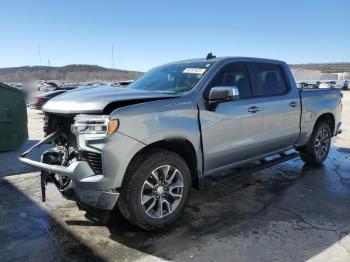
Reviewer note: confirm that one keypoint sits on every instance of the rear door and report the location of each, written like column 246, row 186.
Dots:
column 281, row 103
column 231, row 131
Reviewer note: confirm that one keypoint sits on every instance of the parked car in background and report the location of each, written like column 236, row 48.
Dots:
column 141, row 148
column 125, row 83
column 17, row 85
column 122, row 83
column 328, row 84
column 345, row 85
column 40, row 100
column 308, row 85
column 303, row 85
column 67, row 88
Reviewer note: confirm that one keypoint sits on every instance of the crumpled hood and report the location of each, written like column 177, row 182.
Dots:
column 95, row 99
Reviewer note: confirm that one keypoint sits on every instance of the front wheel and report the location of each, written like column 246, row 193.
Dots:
column 156, row 189
column 317, row 149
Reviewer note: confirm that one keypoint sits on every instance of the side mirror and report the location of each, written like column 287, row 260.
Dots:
column 223, row 93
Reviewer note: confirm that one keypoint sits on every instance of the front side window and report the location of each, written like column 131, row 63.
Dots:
column 235, row 75
column 269, row 80
column 172, row 78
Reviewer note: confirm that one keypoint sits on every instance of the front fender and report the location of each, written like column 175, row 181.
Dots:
column 165, row 120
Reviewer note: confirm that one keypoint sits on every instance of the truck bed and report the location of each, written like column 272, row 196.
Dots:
column 316, row 102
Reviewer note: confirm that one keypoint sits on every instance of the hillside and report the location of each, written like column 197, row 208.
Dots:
column 78, row 73
column 325, row 67
column 82, row 73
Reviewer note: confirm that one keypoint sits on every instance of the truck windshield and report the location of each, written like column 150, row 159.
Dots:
column 172, row 78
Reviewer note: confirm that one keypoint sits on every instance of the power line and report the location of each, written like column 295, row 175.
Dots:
column 113, row 71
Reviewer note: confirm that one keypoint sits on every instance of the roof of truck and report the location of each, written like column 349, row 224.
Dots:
column 238, row 58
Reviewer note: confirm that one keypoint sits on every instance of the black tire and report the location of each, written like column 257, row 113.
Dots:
column 310, row 153
column 133, row 187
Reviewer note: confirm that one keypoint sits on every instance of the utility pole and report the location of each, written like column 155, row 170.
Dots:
column 49, row 71
column 113, row 71
column 39, row 53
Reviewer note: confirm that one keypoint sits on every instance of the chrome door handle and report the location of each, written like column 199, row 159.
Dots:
column 293, row 104
column 253, row 109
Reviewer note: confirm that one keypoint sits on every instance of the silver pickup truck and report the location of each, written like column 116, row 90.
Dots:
column 140, row 149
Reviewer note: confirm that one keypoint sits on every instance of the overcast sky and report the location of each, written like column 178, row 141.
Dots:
column 149, row 33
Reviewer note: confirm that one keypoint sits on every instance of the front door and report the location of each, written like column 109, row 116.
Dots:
column 231, row 131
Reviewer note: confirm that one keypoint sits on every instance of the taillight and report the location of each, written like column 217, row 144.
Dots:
column 38, row 99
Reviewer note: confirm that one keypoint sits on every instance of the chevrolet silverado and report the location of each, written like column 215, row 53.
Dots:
column 140, row 149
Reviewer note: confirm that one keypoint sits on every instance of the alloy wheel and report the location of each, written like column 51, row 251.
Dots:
column 162, row 191
column 322, row 143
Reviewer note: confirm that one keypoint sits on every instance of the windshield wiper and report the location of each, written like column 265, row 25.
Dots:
column 175, row 91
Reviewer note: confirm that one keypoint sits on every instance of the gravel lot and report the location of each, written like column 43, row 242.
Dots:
column 291, row 212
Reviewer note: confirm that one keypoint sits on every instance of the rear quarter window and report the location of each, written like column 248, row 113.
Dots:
column 269, row 79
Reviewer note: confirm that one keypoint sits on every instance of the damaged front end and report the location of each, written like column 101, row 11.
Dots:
column 54, row 165
column 74, row 163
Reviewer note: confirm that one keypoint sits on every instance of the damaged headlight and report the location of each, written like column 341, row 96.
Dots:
column 94, row 124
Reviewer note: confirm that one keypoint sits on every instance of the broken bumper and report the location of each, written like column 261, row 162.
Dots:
column 97, row 199
column 83, row 179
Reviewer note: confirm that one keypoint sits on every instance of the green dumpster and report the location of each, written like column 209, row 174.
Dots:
column 13, row 118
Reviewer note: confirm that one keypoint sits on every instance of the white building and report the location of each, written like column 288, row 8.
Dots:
column 306, row 75
column 343, row 76
column 301, row 75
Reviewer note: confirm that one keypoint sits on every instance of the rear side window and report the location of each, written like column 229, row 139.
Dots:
column 269, row 79
column 234, row 74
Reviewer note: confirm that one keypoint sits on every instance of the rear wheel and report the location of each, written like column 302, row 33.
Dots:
column 317, row 149
column 156, row 189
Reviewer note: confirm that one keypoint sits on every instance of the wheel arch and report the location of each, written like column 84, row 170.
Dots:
column 326, row 118
column 310, row 153
column 181, row 146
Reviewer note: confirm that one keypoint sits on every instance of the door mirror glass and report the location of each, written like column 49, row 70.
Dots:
column 223, row 93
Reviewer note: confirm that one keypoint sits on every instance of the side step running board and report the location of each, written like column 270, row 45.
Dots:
column 268, row 163
column 244, row 170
